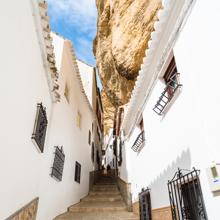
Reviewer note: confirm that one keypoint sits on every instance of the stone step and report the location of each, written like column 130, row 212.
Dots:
column 106, row 193
column 105, row 183
column 119, row 215
column 103, row 198
column 98, row 207
column 104, row 189
column 105, row 186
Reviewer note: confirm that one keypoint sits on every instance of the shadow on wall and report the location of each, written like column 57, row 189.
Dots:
column 159, row 190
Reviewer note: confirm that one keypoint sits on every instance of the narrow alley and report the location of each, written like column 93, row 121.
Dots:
column 104, row 202
column 110, row 110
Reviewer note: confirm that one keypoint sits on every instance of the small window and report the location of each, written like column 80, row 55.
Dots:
column 120, row 153
column 40, row 127
column 89, row 139
column 93, row 152
column 141, row 124
column 97, row 158
column 58, row 164
column 171, row 90
column 66, row 93
column 171, row 78
column 78, row 119
column 77, row 172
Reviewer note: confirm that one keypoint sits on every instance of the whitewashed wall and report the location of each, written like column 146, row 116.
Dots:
column 23, row 85
column 25, row 173
column 188, row 135
column 87, row 76
column 65, row 132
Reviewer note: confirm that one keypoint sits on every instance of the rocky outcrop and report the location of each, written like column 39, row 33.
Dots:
column 123, row 30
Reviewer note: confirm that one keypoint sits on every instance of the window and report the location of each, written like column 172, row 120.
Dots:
column 145, row 205
column 58, row 164
column 66, row 93
column 97, row 158
column 119, row 120
column 120, row 153
column 171, row 79
column 77, row 172
column 89, row 138
column 139, row 142
column 40, row 127
column 78, row 119
column 186, row 199
column 141, row 124
column 97, row 129
column 93, row 152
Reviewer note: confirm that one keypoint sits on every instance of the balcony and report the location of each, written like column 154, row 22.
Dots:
column 168, row 95
column 139, row 142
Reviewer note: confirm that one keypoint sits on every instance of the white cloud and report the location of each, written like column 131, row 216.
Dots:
column 80, row 13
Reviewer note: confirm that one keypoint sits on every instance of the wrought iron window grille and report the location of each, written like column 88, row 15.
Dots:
column 58, row 164
column 120, row 153
column 77, row 172
column 185, row 194
column 139, row 142
column 97, row 158
column 145, row 204
column 167, row 95
column 93, row 152
column 40, row 127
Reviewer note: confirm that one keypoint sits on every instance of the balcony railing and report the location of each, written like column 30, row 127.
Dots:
column 168, row 94
column 139, row 142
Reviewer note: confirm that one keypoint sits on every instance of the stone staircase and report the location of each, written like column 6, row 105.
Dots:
column 104, row 202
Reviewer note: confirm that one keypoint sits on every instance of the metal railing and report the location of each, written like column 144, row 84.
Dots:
column 168, row 93
column 186, row 199
column 139, row 142
column 145, row 205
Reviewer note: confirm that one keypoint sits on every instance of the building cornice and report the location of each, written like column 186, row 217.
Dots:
column 170, row 22
column 43, row 30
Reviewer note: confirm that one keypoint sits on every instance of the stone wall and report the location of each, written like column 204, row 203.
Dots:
column 162, row 213
column 157, row 214
column 28, row 212
column 125, row 190
column 136, row 208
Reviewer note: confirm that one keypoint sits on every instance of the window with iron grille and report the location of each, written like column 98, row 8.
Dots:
column 89, row 138
column 40, row 127
column 139, row 142
column 186, row 199
column 93, row 152
column 171, row 79
column 145, row 204
column 58, row 164
column 120, row 153
column 77, row 172
column 97, row 158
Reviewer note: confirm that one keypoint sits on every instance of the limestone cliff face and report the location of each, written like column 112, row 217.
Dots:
column 123, row 31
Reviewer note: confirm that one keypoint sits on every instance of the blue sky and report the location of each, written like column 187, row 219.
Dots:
column 76, row 21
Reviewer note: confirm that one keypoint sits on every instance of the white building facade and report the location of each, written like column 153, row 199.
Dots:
column 183, row 134
column 40, row 176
